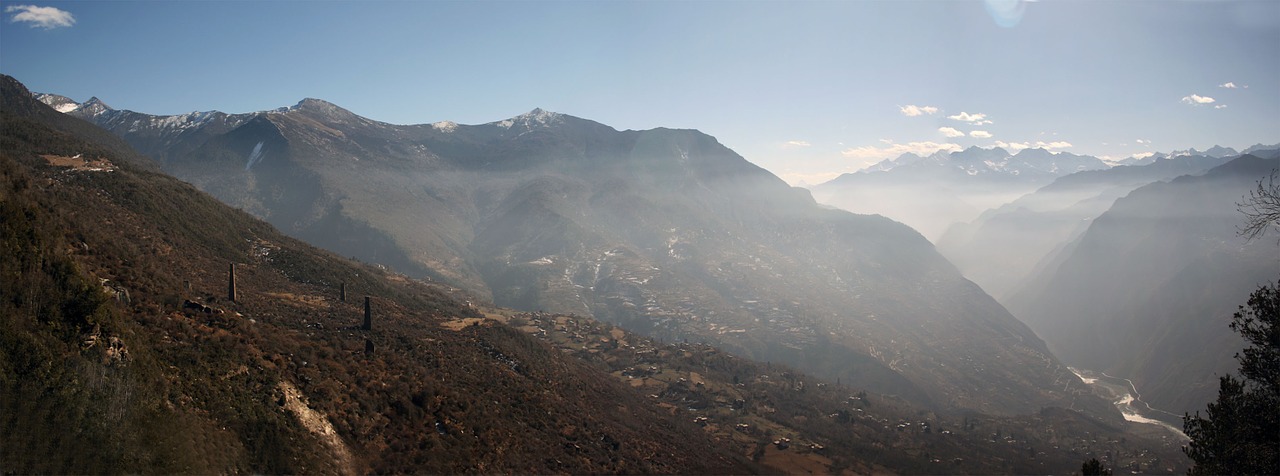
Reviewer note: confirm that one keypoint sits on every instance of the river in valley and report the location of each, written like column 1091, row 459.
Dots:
column 1125, row 396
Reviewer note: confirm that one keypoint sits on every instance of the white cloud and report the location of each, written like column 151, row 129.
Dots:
column 980, row 134
column 894, row 150
column 1015, row 146
column 1142, row 155
column 795, row 143
column 950, row 132
column 1197, row 99
column 1143, row 141
column 976, row 119
column 41, row 17
column 883, row 141
column 1220, row 106
column 1228, row 85
column 913, row 111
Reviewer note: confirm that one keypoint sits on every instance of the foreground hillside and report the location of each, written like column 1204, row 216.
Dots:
column 120, row 351
column 665, row 232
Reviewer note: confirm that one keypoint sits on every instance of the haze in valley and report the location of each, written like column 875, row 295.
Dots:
column 1017, row 221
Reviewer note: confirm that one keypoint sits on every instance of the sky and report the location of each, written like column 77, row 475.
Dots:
column 807, row 90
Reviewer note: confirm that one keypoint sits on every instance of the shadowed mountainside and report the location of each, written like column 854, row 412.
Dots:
column 1147, row 291
column 1001, row 248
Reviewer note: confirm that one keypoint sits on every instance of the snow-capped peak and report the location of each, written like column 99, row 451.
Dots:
column 539, row 115
column 59, row 103
column 63, row 104
column 1216, row 152
column 536, row 117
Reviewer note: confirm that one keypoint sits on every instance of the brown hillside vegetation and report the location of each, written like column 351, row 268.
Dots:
column 120, row 352
column 799, row 424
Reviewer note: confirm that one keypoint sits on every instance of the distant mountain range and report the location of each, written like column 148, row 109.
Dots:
column 932, row 193
column 1032, row 163
column 1003, row 246
column 1217, row 152
column 663, row 231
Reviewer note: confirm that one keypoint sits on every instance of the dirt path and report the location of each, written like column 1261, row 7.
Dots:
column 318, row 424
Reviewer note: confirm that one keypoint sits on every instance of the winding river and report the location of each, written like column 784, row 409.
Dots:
column 1125, row 396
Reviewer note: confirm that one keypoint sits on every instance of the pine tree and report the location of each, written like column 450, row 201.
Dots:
column 1240, row 433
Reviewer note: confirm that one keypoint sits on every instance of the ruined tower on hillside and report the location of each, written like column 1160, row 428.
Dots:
column 231, row 283
column 368, row 314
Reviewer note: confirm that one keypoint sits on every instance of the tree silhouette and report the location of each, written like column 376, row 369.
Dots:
column 1261, row 207
column 1240, row 433
column 1093, row 467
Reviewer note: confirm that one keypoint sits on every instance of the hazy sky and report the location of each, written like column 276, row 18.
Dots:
column 807, row 90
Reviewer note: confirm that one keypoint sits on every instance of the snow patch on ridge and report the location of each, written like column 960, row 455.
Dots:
column 536, row 118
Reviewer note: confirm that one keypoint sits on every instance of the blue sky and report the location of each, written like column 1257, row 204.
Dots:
column 807, row 90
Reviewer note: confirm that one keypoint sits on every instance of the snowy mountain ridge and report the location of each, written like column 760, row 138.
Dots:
column 983, row 161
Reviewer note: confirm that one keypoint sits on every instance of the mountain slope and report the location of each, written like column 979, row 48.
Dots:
column 1004, row 245
column 122, row 352
column 1156, row 275
column 663, row 231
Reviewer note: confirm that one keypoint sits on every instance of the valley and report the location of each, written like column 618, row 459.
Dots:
column 436, row 357
column 664, row 232
column 638, row 237
column 1119, row 267
column 1129, row 401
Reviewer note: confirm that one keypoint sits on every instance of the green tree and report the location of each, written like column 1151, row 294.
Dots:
column 1240, row 432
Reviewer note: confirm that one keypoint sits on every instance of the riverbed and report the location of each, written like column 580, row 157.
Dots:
column 1126, row 398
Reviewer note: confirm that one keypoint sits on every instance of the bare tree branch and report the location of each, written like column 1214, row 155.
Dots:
column 1261, row 207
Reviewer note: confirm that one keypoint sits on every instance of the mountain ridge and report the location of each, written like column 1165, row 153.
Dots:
column 230, row 385
column 663, row 231
column 1001, row 247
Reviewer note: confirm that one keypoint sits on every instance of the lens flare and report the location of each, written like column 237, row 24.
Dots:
column 1006, row 13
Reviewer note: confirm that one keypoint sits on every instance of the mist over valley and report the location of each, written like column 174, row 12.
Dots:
column 736, row 238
